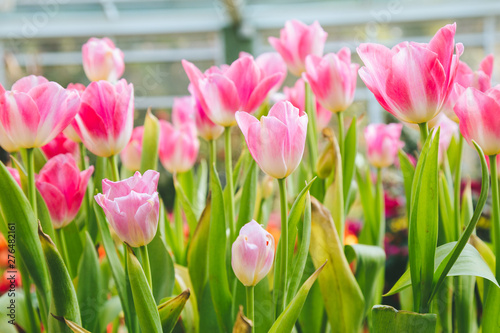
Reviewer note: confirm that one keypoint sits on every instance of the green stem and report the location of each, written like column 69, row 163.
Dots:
column 340, row 120
column 379, row 195
column 312, row 139
column 212, row 158
column 250, row 305
column 456, row 188
column 424, row 132
column 284, row 246
column 61, row 246
column 495, row 218
column 143, row 250
column 114, row 168
column 229, row 182
column 30, row 161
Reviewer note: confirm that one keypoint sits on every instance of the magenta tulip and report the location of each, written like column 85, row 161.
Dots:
column 106, row 117
column 70, row 131
column 383, row 143
column 178, row 146
column 241, row 87
column 297, row 41
column 34, row 112
column 63, row 187
column 277, row 141
column 332, row 79
column 252, row 254
column 132, row 207
column 132, row 153
column 478, row 113
column 296, row 96
column 102, row 60
column 61, row 145
column 412, row 80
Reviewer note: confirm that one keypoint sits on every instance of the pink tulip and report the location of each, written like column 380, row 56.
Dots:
column 70, row 131
column 61, row 145
column 412, row 80
column 252, row 254
column 183, row 111
column 132, row 207
column 465, row 78
column 102, row 60
column 332, row 79
column 188, row 109
column 479, row 121
column 297, row 41
column 15, row 174
column 63, row 187
column 277, row 141
column 178, row 146
column 34, row 112
column 241, row 87
column 296, row 96
column 448, row 129
column 270, row 63
column 132, row 153
column 383, row 143
column 106, row 117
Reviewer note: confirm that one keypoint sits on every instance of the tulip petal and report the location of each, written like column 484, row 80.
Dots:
column 19, row 118
column 260, row 92
column 27, row 83
column 221, row 97
column 443, row 45
column 56, row 203
column 245, row 74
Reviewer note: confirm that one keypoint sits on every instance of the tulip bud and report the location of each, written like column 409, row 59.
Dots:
column 383, row 143
column 252, row 254
column 326, row 162
column 102, row 60
column 267, row 186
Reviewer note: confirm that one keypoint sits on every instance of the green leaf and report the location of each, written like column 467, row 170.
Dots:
column 170, row 310
column 287, row 319
column 19, row 316
column 342, row 296
column 349, row 158
column 44, row 216
column 16, row 209
column 370, row 264
column 162, row 268
column 74, row 246
column 145, row 306
column 74, row 327
column 365, row 187
column 89, row 290
column 190, row 315
column 109, row 311
column 150, row 142
column 491, row 310
column 248, row 196
column 201, row 186
column 217, row 273
column 64, row 302
column 408, row 171
column 186, row 207
column 446, row 210
column 386, row 319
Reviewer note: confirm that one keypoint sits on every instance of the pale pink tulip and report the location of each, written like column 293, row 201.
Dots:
column 297, row 41
column 183, row 111
column 478, row 113
column 70, row 131
column 132, row 207
column 383, row 143
column 61, row 145
column 448, row 130
column 178, row 146
column 296, row 96
column 465, row 78
column 106, row 117
column 63, row 187
column 132, row 153
column 277, row 141
column 252, row 254
column 412, row 80
column 332, row 79
column 241, row 87
column 34, row 112
column 102, row 60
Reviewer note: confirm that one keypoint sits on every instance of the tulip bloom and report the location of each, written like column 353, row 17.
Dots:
column 106, row 118
column 270, row 63
column 61, row 145
column 297, row 41
column 178, row 146
column 296, row 96
column 241, row 87
column 132, row 153
column 479, row 121
column 332, row 79
column 34, row 112
column 412, row 80
column 383, row 143
column 277, row 141
column 252, row 254
column 63, row 187
column 132, row 207
column 102, row 60
column 70, row 131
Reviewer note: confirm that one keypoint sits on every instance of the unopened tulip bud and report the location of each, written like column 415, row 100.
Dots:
column 102, row 60
column 326, row 162
column 267, row 186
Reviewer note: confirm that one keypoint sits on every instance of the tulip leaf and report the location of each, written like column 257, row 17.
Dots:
column 350, row 151
column 217, row 273
column 446, row 210
column 170, row 310
column 287, row 319
column 19, row 315
column 145, row 306
column 44, row 216
column 368, row 203
column 110, row 310
column 89, row 290
column 162, row 268
column 16, row 210
column 370, row 264
column 64, row 302
column 491, row 310
column 150, row 142
column 74, row 327
column 343, row 298
column 74, row 246
column 408, row 171
column 386, row 319
column 248, row 196
column 201, row 184
column 190, row 315
column 186, row 206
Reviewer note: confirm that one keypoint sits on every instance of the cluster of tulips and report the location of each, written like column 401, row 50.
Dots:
column 102, row 251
